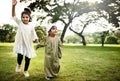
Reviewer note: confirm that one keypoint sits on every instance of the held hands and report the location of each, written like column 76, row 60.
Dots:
column 37, row 46
column 14, row 2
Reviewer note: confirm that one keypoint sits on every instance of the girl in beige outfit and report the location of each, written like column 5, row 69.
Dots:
column 52, row 54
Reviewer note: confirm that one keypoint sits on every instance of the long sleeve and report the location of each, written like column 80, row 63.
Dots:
column 34, row 34
column 59, row 49
column 16, row 20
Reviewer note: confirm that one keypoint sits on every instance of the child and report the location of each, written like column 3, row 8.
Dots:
column 52, row 54
column 24, row 38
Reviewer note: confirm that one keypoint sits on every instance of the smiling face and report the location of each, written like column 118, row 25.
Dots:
column 53, row 31
column 25, row 18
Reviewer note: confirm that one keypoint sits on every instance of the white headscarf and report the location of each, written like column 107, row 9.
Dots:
column 49, row 27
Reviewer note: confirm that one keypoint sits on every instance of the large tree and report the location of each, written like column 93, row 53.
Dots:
column 83, row 22
column 60, row 10
column 67, row 11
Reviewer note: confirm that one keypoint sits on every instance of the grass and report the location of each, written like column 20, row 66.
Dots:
column 79, row 63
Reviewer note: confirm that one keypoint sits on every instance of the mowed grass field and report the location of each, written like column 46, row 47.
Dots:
column 78, row 63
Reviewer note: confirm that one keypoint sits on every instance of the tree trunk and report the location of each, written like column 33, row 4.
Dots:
column 64, row 31
column 80, row 34
column 104, row 36
column 83, row 40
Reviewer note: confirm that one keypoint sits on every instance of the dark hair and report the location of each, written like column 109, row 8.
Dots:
column 51, row 28
column 28, row 12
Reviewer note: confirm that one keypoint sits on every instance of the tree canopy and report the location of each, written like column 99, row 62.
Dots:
column 61, row 10
column 112, row 9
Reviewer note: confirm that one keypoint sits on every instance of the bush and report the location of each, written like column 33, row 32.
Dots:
column 111, row 40
column 117, row 33
column 118, row 41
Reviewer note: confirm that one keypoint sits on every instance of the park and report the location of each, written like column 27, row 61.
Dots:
column 86, row 55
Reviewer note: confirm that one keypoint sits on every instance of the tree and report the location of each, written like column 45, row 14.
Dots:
column 111, row 10
column 117, row 33
column 40, row 30
column 89, row 18
column 7, row 33
column 80, row 34
column 61, row 11
column 111, row 40
column 103, row 36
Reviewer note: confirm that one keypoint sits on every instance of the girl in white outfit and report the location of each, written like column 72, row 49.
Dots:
column 24, row 38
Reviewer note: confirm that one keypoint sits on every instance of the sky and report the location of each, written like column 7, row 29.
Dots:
column 5, row 11
column 5, row 8
column 5, row 14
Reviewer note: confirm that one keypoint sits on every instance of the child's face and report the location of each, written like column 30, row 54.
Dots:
column 53, row 31
column 25, row 18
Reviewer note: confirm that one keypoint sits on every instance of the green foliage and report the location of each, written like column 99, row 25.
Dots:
column 61, row 10
column 39, row 4
column 112, row 8
column 97, row 37
column 7, row 33
column 41, row 31
column 111, row 40
column 72, row 39
column 118, row 41
column 117, row 33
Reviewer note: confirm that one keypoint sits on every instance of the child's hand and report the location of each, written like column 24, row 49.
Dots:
column 37, row 46
column 14, row 2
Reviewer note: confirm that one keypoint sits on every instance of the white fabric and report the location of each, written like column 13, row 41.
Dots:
column 24, row 39
column 49, row 27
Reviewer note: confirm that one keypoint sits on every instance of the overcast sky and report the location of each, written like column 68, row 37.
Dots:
column 5, row 13
column 5, row 9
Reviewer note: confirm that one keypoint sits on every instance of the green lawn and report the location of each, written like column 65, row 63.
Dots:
column 79, row 63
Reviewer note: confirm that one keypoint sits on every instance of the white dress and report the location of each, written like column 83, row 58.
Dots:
column 24, row 39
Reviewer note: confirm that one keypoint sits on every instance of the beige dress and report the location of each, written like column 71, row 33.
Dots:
column 52, row 56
